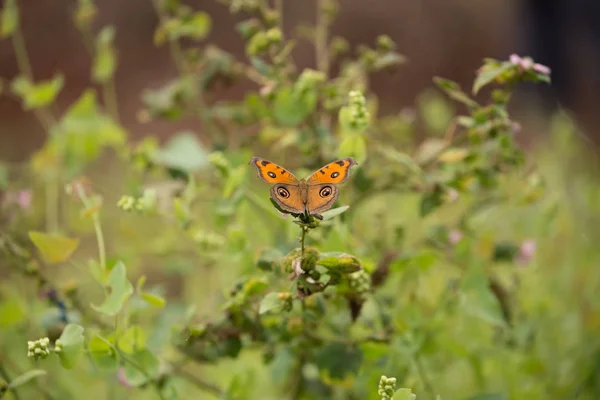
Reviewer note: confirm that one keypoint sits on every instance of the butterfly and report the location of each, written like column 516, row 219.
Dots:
column 305, row 196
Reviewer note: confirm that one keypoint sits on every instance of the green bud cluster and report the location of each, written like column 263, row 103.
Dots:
column 208, row 240
column 308, row 79
column 359, row 281
column 262, row 40
column 387, row 387
column 308, row 263
column 38, row 349
column 358, row 110
column 146, row 202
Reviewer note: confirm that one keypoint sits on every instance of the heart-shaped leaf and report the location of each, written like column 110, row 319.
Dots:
column 70, row 344
column 183, row 152
column 54, row 248
column 120, row 290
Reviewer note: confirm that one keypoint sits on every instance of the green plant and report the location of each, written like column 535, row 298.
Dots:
column 416, row 274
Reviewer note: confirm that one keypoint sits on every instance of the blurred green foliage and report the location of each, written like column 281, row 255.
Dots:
column 455, row 263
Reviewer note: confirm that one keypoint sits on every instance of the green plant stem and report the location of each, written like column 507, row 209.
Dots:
column 52, row 202
column 97, row 227
column 109, row 93
column 207, row 387
column 279, row 9
column 304, row 229
column 43, row 115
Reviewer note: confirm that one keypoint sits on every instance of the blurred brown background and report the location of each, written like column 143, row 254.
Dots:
column 448, row 38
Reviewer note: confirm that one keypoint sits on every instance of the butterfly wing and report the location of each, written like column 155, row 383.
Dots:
column 286, row 190
column 333, row 173
column 322, row 184
column 289, row 197
column 321, row 197
column 273, row 173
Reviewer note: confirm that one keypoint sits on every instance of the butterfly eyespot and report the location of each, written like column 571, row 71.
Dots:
column 325, row 192
column 335, row 174
column 272, row 174
column 283, row 193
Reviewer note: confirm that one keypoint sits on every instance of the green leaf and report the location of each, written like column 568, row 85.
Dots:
column 353, row 145
column 105, row 61
column 430, row 202
column 404, row 394
column 37, row 95
column 120, row 290
column 293, row 106
column 71, row 342
column 454, row 91
column 54, row 248
column 436, row 111
column 388, row 60
column 103, row 353
column 478, row 299
column 275, row 302
column 339, row 360
column 236, row 177
column 85, row 131
column 183, row 151
column 12, row 312
column 133, row 340
column 152, row 299
column 26, row 377
column 255, row 286
column 197, row 27
column 98, row 272
column 9, row 19
column 490, row 75
column 146, row 368
column 341, row 263
column 334, row 212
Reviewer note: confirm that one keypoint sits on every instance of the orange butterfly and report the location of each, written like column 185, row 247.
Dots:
column 309, row 196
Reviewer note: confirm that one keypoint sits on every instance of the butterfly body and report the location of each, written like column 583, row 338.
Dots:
column 304, row 196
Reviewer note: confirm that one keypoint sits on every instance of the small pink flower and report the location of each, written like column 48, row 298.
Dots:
column 526, row 252
column 452, row 195
column 542, row 69
column 24, row 199
column 454, row 237
column 526, row 64
column 122, row 378
column 516, row 127
column 21, row 198
column 515, row 59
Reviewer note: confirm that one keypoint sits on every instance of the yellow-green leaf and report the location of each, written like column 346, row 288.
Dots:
column 120, row 290
column 54, row 248
column 133, row 340
column 453, row 155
